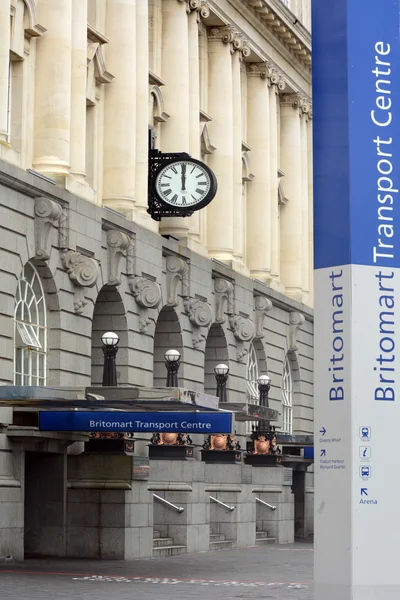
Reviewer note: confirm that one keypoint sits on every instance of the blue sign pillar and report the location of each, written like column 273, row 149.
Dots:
column 356, row 113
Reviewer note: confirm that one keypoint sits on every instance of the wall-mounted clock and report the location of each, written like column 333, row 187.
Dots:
column 178, row 185
column 185, row 184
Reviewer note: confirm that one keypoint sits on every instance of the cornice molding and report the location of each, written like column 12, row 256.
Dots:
column 276, row 16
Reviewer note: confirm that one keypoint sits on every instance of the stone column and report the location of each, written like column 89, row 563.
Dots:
column 277, row 86
column 304, row 111
column 239, row 214
column 259, row 191
column 175, row 73
column 292, row 213
column 310, row 213
column 52, row 121
column 78, row 89
column 120, row 108
column 220, row 213
column 4, row 68
column 142, row 129
column 194, row 112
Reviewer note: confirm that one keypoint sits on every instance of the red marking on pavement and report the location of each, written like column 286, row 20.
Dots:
column 148, row 577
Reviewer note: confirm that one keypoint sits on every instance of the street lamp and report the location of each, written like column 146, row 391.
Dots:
column 110, row 348
column 172, row 358
column 264, row 384
column 221, row 375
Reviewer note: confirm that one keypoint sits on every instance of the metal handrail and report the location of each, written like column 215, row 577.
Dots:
column 266, row 504
column 178, row 509
column 231, row 508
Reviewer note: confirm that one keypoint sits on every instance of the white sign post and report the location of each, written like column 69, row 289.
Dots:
column 356, row 111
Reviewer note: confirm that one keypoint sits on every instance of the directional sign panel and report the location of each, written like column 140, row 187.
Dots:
column 150, row 422
column 356, row 112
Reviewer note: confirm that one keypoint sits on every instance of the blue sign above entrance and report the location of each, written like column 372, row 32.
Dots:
column 174, row 422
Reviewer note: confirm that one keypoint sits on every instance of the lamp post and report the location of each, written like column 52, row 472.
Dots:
column 110, row 348
column 264, row 384
column 221, row 375
column 172, row 362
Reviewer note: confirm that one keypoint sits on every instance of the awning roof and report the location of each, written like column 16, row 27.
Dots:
column 120, row 398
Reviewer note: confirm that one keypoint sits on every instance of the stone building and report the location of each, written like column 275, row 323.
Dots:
column 81, row 82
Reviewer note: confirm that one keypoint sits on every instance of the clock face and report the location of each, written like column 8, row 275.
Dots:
column 183, row 184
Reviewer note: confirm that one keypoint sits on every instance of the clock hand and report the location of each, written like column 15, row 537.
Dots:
column 183, row 177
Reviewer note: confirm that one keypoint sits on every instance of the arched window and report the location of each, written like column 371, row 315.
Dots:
column 30, row 334
column 252, row 376
column 252, row 392
column 287, row 398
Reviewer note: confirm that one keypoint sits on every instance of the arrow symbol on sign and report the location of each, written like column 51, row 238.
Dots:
column 323, row 452
column 323, row 431
column 364, row 491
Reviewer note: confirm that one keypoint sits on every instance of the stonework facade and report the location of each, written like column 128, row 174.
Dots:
column 81, row 82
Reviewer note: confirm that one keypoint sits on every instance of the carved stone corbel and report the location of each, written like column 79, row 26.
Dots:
column 83, row 271
column 47, row 213
column 296, row 320
column 177, row 270
column 117, row 245
column 200, row 315
column 242, row 328
column 224, row 299
column 147, row 294
column 262, row 306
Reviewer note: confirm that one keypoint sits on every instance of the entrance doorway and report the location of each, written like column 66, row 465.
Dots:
column 45, row 500
column 299, row 492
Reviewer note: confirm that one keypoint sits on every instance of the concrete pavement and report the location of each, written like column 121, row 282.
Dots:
column 276, row 572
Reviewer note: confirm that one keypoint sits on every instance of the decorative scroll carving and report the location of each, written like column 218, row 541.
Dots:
column 292, row 100
column 147, row 294
column 259, row 69
column 229, row 35
column 224, row 297
column 177, row 270
column 83, row 271
column 277, row 79
column 200, row 6
column 262, row 306
column 305, row 106
column 242, row 328
column 47, row 213
column 200, row 315
column 118, row 243
column 296, row 320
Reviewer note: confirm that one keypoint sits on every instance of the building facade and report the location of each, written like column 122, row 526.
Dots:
column 82, row 82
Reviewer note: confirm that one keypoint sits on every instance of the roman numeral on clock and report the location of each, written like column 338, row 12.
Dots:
column 199, row 191
column 174, row 170
column 174, row 198
column 167, row 192
column 183, row 200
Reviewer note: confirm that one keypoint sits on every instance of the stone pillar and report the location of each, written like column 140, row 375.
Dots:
column 142, row 129
column 175, row 73
column 277, row 86
column 292, row 213
column 4, row 68
column 220, row 213
column 52, row 121
column 259, row 194
column 78, row 89
column 194, row 114
column 310, row 213
column 120, row 108
column 239, row 218
column 304, row 110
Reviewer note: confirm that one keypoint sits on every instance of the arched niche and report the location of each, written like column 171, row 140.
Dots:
column 167, row 336
column 109, row 315
column 216, row 352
